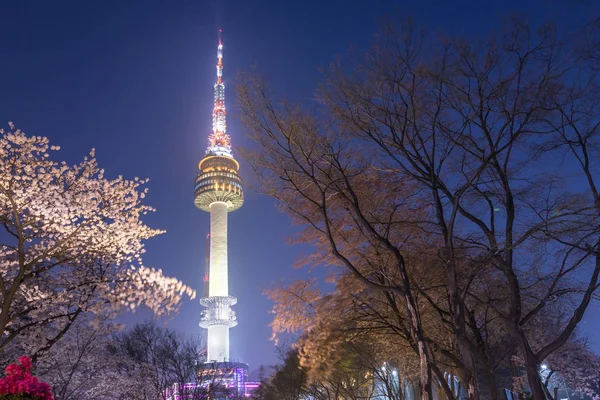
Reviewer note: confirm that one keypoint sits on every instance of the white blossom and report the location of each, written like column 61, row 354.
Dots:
column 72, row 243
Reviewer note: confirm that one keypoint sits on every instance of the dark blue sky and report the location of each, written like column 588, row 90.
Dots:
column 134, row 80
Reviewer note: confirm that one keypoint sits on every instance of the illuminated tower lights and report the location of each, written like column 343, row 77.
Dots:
column 219, row 191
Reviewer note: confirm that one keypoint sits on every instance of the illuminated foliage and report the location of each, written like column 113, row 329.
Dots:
column 72, row 244
column 455, row 184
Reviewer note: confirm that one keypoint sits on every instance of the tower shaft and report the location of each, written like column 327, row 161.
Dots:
column 219, row 191
column 218, row 282
column 217, row 346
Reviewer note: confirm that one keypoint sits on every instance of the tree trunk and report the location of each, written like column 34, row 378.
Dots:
column 416, row 331
column 492, row 384
column 450, row 389
column 425, row 371
column 534, row 379
column 470, row 368
column 458, row 318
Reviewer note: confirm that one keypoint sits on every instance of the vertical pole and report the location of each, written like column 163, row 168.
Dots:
column 218, row 335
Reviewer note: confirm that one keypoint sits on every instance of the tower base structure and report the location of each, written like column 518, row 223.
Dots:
column 217, row 380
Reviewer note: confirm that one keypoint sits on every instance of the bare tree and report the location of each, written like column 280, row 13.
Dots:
column 156, row 358
column 465, row 153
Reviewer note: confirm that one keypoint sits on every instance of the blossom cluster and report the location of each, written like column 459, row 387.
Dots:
column 19, row 382
column 73, row 242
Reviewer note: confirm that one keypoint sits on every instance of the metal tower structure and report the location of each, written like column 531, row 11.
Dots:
column 219, row 191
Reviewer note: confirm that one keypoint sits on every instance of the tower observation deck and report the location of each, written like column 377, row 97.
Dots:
column 218, row 190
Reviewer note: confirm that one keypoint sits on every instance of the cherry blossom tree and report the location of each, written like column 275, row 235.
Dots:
column 573, row 369
column 100, row 360
column 80, row 365
column 72, row 244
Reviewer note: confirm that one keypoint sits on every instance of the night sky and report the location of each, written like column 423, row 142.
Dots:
column 133, row 79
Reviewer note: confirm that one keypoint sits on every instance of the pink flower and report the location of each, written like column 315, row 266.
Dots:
column 26, row 362
column 18, row 380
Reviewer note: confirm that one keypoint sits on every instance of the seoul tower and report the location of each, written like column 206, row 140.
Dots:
column 218, row 190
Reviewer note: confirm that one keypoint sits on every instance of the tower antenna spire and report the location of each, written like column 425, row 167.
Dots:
column 219, row 142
